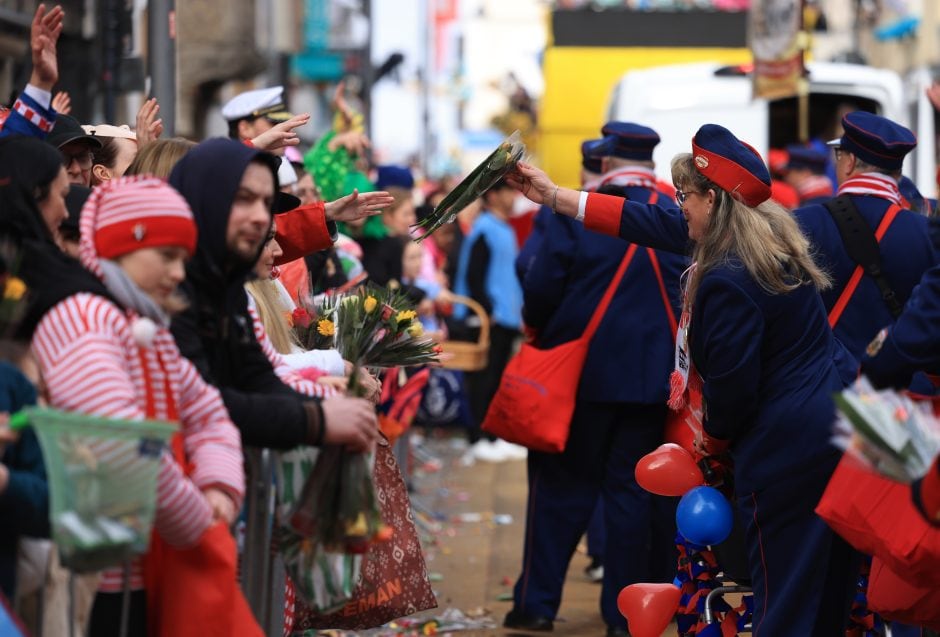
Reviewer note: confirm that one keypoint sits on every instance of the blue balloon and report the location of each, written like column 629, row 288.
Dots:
column 704, row 516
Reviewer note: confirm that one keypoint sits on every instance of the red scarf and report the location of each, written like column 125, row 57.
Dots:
column 872, row 185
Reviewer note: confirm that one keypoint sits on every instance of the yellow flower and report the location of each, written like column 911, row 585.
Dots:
column 325, row 327
column 405, row 315
column 14, row 289
column 416, row 329
column 369, row 304
column 358, row 528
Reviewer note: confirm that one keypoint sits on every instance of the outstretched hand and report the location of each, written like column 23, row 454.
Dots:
column 149, row 128
column 354, row 142
column 62, row 103
column 281, row 135
column 43, row 38
column 357, row 205
column 533, row 183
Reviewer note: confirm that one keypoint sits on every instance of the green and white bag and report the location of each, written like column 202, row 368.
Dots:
column 324, row 580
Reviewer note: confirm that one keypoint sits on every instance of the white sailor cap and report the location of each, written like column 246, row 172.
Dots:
column 286, row 175
column 265, row 102
column 107, row 130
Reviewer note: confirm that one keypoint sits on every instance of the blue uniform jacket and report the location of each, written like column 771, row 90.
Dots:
column 913, row 342
column 632, row 353
column 768, row 362
column 530, row 248
column 906, row 252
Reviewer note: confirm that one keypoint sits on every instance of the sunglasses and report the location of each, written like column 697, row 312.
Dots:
column 84, row 158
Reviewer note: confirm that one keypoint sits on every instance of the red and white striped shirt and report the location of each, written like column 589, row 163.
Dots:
column 92, row 364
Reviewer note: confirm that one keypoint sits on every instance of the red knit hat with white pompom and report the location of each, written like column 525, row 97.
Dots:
column 130, row 213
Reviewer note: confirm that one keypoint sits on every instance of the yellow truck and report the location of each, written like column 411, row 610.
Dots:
column 691, row 81
column 589, row 52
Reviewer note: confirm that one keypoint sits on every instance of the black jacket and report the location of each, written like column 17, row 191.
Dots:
column 215, row 332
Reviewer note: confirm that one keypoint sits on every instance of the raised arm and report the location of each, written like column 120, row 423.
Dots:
column 647, row 225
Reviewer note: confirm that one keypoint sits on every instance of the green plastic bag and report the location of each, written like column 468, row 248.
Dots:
column 102, row 482
column 325, row 580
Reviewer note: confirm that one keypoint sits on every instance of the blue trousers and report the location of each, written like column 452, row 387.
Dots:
column 803, row 574
column 605, row 442
column 597, row 532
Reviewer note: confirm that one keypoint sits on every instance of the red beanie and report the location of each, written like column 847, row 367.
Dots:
column 130, row 213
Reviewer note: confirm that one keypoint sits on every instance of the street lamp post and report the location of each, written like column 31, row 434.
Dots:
column 161, row 59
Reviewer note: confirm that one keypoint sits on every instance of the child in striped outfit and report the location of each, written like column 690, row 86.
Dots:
column 115, row 357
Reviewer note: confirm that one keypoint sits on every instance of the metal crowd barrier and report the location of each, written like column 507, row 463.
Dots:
column 263, row 575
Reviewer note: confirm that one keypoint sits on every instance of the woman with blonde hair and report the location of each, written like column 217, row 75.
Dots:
column 269, row 305
column 159, row 157
column 754, row 336
column 317, row 372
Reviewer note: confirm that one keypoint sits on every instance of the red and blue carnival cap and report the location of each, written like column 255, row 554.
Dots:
column 875, row 140
column 731, row 164
column 630, row 141
column 592, row 151
column 807, row 157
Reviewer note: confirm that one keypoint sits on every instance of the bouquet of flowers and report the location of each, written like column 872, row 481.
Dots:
column 894, row 435
column 371, row 327
column 379, row 327
column 338, row 506
column 500, row 162
column 313, row 325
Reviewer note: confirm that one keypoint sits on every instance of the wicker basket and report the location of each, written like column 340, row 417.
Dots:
column 468, row 356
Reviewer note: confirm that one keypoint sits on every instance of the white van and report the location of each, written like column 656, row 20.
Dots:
column 676, row 100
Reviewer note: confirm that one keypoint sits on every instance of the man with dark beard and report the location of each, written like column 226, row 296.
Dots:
column 231, row 189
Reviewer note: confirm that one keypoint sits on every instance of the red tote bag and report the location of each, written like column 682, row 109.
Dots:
column 877, row 517
column 536, row 396
column 896, row 598
column 194, row 592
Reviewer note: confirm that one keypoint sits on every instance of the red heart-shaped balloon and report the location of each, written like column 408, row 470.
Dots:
column 648, row 607
column 668, row 470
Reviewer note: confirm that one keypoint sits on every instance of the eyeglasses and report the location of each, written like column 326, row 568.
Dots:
column 838, row 152
column 682, row 196
column 84, row 158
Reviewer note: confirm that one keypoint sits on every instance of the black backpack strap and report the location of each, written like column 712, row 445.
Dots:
column 862, row 246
